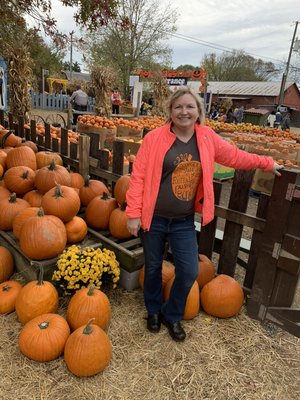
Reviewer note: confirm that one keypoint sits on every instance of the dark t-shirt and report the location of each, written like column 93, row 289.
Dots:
column 181, row 175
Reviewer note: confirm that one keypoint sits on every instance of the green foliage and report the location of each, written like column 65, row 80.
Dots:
column 237, row 66
column 75, row 66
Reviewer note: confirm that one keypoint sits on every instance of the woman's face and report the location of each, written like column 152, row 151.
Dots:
column 184, row 112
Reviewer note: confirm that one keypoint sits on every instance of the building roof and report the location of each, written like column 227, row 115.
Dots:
column 246, row 88
column 77, row 76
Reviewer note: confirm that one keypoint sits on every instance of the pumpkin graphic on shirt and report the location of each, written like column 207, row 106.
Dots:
column 185, row 177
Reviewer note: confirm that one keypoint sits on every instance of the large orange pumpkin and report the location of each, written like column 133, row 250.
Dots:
column 206, row 271
column 34, row 198
column 9, row 291
column 120, row 189
column 222, row 297
column 9, row 208
column 21, row 217
column 91, row 189
column 19, row 179
column 36, row 298
column 6, row 264
column 43, row 338
column 45, row 158
column 118, row 223
column 168, row 272
column 98, row 211
column 88, row 350
column 192, row 305
column 89, row 303
column 21, row 156
column 47, row 177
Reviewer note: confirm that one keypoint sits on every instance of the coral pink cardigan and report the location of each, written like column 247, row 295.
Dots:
column 148, row 164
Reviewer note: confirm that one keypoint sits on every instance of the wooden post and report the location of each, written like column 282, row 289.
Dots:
column 84, row 154
column 2, row 117
column 118, row 157
column 21, row 132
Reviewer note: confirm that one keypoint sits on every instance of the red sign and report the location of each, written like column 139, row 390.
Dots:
column 195, row 75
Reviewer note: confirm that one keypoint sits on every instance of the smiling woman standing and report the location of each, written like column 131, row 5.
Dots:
column 172, row 178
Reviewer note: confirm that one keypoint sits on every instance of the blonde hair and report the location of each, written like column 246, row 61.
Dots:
column 181, row 92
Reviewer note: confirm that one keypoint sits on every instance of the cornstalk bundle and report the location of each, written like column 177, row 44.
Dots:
column 19, row 80
column 161, row 93
column 103, row 79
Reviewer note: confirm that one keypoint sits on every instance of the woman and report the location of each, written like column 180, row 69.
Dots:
column 172, row 178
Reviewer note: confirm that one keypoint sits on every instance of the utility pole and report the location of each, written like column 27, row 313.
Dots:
column 71, row 55
column 285, row 74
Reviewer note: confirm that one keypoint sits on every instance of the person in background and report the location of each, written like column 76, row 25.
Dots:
column 115, row 101
column 230, row 118
column 239, row 115
column 278, row 119
column 172, row 178
column 271, row 119
column 286, row 122
column 79, row 100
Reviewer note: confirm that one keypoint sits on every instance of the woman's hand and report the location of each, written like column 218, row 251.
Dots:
column 133, row 225
column 277, row 167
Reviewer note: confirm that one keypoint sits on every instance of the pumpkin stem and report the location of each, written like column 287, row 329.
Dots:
column 104, row 196
column 13, row 198
column 6, row 288
column 91, row 290
column 40, row 212
column 88, row 329
column 52, row 166
column 41, row 275
column 25, row 174
column 123, row 206
column 44, row 325
column 57, row 191
column 87, row 180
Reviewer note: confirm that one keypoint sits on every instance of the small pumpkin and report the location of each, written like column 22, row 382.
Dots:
column 9, row 208
column 88, row 350
column 45, row 158
column 4, row 193
column 222, row 297
column 9, row 291
column 98, row 211
column 43, row 338
column 19, row 179
column 89, row 303
column 76, row 229
column 30, row 144
column 43, row 236
column 6, row 264
column 36, row 298
column 120, row 189
column 77, row 180
column 192, row 305
column 118, row 223
column 61, row 201
column 34, row 198
column 167, row 272
column 206, row 271
column 91, row 189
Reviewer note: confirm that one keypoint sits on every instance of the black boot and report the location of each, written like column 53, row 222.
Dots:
column 153, row 323
column 175, row 329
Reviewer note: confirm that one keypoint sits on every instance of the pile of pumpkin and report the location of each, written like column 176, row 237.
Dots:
column 219, row 295
column 45, row 335
column 55, row 132
column 40, row 200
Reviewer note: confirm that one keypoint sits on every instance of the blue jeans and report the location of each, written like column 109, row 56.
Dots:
column 180, row 233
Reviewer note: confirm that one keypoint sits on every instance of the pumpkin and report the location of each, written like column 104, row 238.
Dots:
column 47, row 177
column 88, row 350
column 222, row 297
column 168, row 272
column 21, row 217
column 76, row 229
column 23, row 155
column 36, row 298
column 19, row 179
column 9, row 291
column 77, row 180
column 34, row 198
column 206, row 271
column 8, row 138
column 61, row 201
column 3, row 156
column 9, row 208
column 120, row 189
column 118, row 223
column 45, row 158
column 89, row 303
column 1, row 171
column 98, row 211
column 43, row 338
column 42, row 236
column 6, row 264
column 192, row 305
column 91, row 189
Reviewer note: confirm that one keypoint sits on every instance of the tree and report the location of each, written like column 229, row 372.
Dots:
column 139, row 43
column 237, row 66
column 75, row 66
column 187, row 67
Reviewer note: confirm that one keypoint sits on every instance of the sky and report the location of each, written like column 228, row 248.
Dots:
column 263, row 29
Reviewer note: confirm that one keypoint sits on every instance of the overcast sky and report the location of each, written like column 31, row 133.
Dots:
column 262, row 28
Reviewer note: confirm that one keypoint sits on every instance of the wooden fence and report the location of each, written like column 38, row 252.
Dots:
column 273, row 266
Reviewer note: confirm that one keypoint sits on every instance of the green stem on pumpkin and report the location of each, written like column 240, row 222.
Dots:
column 44, row 325
column 91, row 290
column 87, row 180
column 88, row 329
column 13, row 198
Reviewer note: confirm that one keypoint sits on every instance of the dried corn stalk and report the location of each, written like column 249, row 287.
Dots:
column 103, row 79
column 19, row 79
column 161, row 92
